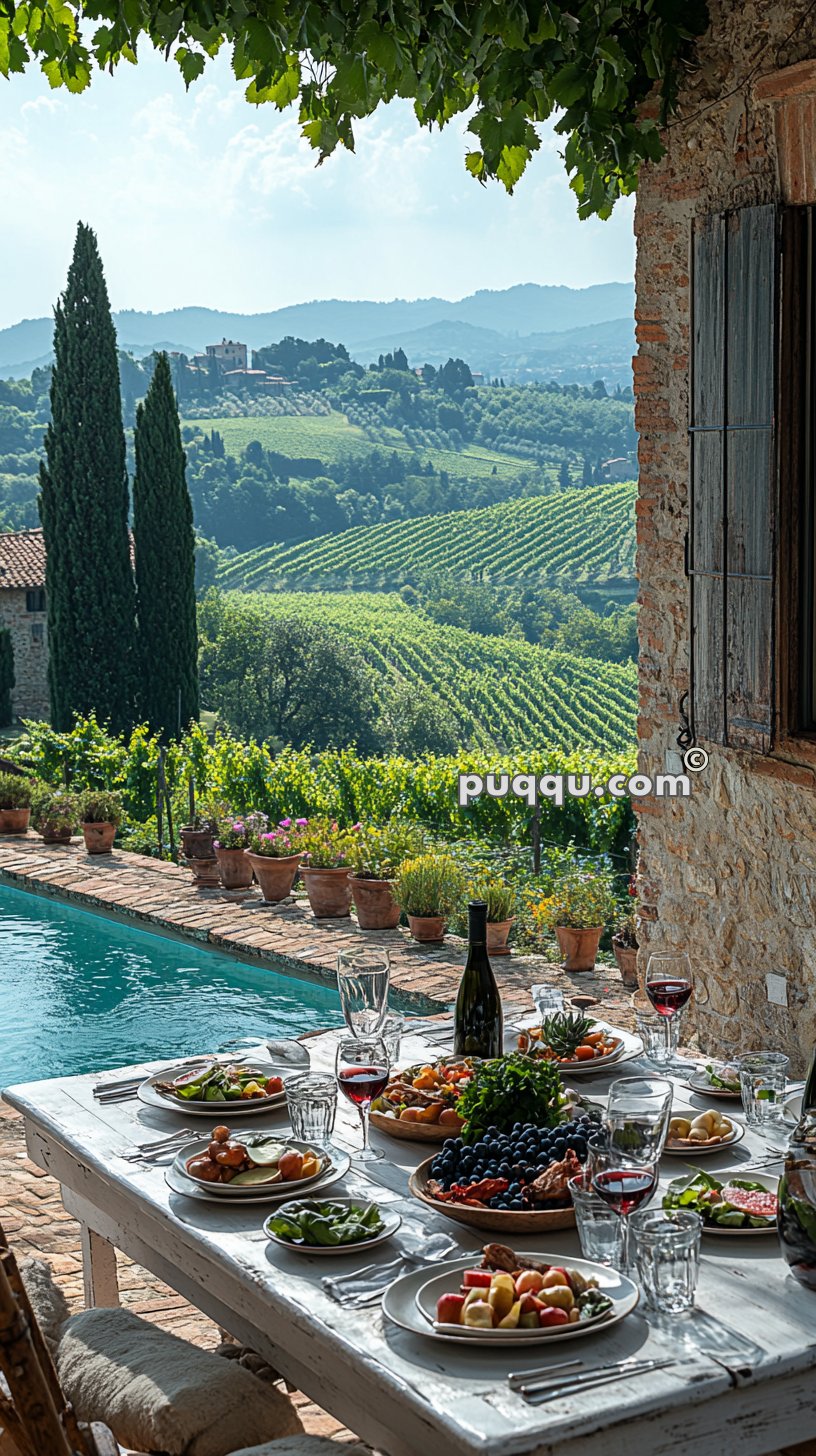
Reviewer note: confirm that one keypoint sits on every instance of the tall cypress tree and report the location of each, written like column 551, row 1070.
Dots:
column 83, row 506
column 165, row 562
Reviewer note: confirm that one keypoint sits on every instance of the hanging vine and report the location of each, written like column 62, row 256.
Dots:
column 512, row 63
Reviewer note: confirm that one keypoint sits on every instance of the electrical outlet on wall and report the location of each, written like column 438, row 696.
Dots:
column 777, row 989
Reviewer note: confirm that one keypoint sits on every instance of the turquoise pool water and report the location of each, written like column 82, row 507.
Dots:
column 79, row 992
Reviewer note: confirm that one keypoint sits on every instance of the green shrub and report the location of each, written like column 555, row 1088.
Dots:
column 54, row 812
column 500, row 899
column 99, row 807
column 431, row 884
column 16, row 791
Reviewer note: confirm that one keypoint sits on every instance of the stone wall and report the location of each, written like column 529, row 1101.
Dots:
column 30, row 696
column 729, row 874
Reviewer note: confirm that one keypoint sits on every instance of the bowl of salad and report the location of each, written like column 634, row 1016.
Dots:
column 209, row 1088
column 727, row 1205
column 330, row 1226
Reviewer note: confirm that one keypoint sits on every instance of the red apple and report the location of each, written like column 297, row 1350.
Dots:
column 449, row 1309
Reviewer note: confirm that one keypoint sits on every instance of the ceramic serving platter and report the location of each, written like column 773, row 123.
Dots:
column 629, row 1046
column 683, row 1148
column 410, row 1302
column 390, row 1218
column 698, row 1082
column 149, row 1093
column 178, row 1180
column 199, row 1147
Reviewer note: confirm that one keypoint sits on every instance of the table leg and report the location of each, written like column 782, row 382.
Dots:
column 98, row 1270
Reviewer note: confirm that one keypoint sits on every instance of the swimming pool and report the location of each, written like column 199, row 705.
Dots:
column 80, row 992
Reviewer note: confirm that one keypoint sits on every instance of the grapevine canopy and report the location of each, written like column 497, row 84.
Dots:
column 512, row 62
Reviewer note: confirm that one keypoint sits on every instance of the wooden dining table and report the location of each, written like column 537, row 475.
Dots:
column 742, row 1377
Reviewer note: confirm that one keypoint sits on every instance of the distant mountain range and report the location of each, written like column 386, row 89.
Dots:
column 529, row 331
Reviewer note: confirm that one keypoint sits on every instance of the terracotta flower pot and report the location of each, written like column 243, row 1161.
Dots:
column 428, row 929
column 329, row 892
column 376, row 907
column 99, row 837
column 14, row 821
column 197, row 843
column 204, row 872
column 578, row 947
column 62, row 837
column 275, row 876
column 626, row 957
column 234, row 868
column 497, row 934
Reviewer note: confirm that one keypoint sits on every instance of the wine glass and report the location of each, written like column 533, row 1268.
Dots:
column 627, row 1152
column 362, row 980
column 362, row 1074
column 668, row 986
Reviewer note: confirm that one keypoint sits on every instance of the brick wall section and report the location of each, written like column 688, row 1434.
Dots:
column 731, row 873
column 30, row 696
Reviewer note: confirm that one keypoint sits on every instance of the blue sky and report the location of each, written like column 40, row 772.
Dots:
column 199, row 198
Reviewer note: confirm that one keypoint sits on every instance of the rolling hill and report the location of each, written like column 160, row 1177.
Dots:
column 572, row 537
column 512, row 313
column 503, row 691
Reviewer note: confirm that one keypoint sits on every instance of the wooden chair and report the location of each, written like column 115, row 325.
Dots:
column 36, row 1418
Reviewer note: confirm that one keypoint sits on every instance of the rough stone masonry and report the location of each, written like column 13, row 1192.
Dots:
column 729, row 874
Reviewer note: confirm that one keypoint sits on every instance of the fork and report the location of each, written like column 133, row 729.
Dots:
column 144, row 1152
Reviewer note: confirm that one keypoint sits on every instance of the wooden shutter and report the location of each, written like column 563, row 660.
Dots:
column 730, row 556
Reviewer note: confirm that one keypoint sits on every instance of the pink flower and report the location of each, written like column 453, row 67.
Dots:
column 356, row 826
column 301, row 823
column 284, row 823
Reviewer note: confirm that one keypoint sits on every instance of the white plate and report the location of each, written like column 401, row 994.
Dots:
column 700, row 1150
column 698, row 1082
column 391, row 1220
column 180, row 1183
column 630, row 1046
column 194, row 1150
column 793, row 1106
column 401, row 1303
column 215, row 1111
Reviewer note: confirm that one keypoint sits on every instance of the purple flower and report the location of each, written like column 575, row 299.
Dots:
column 284, row 823
column 301, row 823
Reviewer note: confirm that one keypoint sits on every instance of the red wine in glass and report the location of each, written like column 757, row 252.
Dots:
column 362, row 1084
column 668, row 996
column 625, row 1189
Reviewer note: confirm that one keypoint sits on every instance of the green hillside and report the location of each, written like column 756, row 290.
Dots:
column 333, row 439
column 575, row 536
column 504, row 691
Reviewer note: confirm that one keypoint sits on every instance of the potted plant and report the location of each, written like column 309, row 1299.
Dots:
column 577, row 910
column 625, row 947
column 100, row 813
column 428, row 888
column 55, row 814
column 234, row 839
column 326, row 866
column 16, row 795
column 375, row 857
column 198, row 838
column 501, row 903
column 275, row 855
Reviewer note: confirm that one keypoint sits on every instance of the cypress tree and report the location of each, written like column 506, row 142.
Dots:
column 83, row 507
column 165, row 562
column 6, row 676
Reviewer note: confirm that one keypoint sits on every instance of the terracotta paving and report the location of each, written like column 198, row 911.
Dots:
column 160, row 897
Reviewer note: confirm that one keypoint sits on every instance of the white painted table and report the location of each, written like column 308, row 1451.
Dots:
column 408, row 1395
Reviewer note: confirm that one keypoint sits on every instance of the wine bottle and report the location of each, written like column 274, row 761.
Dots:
column 796, row 1220
column 479, row 1023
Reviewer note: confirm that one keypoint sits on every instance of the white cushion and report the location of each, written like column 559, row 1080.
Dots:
column 159, row 1393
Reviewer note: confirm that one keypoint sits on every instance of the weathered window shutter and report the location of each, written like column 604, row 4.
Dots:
column 733, row 476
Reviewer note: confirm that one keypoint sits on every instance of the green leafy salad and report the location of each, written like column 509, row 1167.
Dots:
column 326, row 1225
column 737, row 1204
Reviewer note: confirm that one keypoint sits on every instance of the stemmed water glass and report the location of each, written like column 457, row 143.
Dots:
column 362, row 980
column 668, row 985
column 624, row 1155
column 362, row 1074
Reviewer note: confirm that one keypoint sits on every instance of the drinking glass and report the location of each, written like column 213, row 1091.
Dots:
column 668, row 986
column 312, row 1106
column 547, row 999
column 362, row 1075
column 763, row 1079
column 362, row 980
column 599, row 1229
column 651, row 1029
column 637, row 1116
column 624, row 1182
column 391, row 1033
column 667, row 1254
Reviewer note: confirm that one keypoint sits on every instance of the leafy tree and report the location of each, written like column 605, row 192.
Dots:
column 564, row 478
column 455, row 377
column 84, row 508
column 595, row 64
column 415, row 722
column 7, row 678
column 165, row 563
column 285, row 680
column 586, row 472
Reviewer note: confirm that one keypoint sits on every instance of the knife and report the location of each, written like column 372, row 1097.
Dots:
column 540, row 1391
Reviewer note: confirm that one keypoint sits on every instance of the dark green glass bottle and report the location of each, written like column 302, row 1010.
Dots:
column 479, row 1023
column 797, row 1191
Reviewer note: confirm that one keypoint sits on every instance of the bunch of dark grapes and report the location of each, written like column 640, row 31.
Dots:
column 520, row 1155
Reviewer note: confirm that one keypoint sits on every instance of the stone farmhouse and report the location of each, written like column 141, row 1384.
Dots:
column 22, row 610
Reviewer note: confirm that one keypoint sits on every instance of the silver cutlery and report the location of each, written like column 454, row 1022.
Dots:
column 149, row 1152
column 538, row 1392
column 518, row 1378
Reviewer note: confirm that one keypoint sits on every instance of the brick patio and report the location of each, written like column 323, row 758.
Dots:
column 161, row 897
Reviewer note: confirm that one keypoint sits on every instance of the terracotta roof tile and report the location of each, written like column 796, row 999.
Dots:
column 22, row 559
